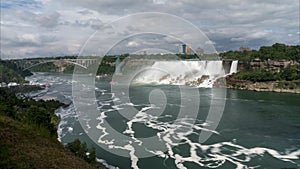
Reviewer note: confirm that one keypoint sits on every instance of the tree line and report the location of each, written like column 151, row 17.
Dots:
column 39, row 114
column 9, row 72
column 261, row 75
column 277, row 51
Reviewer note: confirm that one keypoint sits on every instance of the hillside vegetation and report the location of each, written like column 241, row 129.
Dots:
column 28, row 137
column 24, row 146
column 261, row 75
column 9, row 72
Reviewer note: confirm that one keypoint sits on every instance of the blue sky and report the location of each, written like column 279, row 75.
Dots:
column 31, row 28
column 15, row 4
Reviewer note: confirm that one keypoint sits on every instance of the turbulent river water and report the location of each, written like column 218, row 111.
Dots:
column 256, row 130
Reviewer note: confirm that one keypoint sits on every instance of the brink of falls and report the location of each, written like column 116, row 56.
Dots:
column 195, row 73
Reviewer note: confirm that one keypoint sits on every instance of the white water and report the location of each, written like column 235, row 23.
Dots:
column 196, row 73
column 216, row 154
column 233, row 68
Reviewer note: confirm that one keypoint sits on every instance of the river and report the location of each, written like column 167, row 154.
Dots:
column 256, row 129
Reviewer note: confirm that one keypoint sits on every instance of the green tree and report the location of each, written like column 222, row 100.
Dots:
column 92, row 155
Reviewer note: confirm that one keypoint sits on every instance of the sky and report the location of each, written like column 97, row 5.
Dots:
column 43, row 28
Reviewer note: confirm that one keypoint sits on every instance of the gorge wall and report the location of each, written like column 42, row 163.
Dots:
column 268, row 64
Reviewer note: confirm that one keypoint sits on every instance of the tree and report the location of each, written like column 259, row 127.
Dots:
column 80, row 150
column 92, row 156
column 74, row 146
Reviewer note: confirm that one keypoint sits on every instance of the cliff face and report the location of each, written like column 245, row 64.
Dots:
column 227, row 65
column 272, row 86
column 269, row 64
column 280, row 85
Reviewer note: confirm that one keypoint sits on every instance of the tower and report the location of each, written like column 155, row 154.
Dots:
column 188, row 50
column 184, row 48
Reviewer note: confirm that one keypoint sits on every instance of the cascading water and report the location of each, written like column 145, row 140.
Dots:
column 233, row 68
column 195, row 73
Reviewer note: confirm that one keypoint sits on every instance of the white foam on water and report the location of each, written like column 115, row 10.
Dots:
column 64, row 113
column 102, row 161
column 175, row 133
column 101, row 140
column 70, row 129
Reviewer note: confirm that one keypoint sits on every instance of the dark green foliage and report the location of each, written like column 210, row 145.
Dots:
column 275, row 52
column 69, row 69
column 26, row 146
column 256, row 76
column 236, row 55
column 185, row 56
column 52, row 58
column 9, row 72
column 289, row 73
column 81, row 150
column 92, row 156
column 5, row 162
column 36, row 113
column 12, row 65
column 75, row 146
column 106, row 68
column 45, row 67
column 108, row 64
column 288, row 85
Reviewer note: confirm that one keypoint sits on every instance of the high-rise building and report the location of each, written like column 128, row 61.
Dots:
column 188, row 50
column 184, row 48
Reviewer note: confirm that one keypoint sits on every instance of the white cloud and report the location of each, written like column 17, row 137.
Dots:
column 132, row 44
column 53, row 27
column 33, row 38
column 159, row 1
column 210, row 42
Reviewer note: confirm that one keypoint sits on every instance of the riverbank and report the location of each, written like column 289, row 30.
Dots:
column 28, row 134
column 271, row 86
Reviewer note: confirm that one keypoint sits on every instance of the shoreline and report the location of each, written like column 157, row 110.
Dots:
column 100, row 163
column 271, row 86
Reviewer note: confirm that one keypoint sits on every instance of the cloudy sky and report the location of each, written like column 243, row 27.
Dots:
column 38, row 28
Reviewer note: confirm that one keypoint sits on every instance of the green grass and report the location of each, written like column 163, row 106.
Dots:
column 23, row 146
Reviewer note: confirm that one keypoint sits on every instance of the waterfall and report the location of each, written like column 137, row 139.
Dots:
column 195, row 73
column 233, row 68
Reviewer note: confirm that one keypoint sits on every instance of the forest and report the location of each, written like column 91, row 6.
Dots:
column 277, row 51
column 9, row 72
column 261, row 75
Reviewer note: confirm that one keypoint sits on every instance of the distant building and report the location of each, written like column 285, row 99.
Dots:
column 184, row 48
column 199, row 51
column 188, row 50
column 243, row 49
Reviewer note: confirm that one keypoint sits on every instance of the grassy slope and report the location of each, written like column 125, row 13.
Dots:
column 22, row 146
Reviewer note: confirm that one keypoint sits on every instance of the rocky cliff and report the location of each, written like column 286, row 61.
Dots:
column 268, row 64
